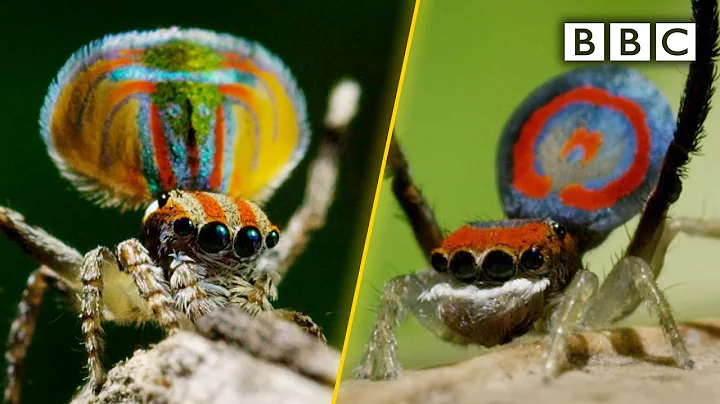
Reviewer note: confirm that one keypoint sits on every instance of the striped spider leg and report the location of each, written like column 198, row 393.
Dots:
column 205, row 241
column 492, row 282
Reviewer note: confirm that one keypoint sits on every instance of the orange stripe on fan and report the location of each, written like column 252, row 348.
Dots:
column 233, row 60
column 129, row 88
column 162, row 153
column 240, row 92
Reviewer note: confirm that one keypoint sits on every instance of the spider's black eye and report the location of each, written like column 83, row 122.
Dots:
column 214, row 237
column 248, row 241
column 163, row 199
column 531, row 259
column 559, row 229
column 439, row 262
column 498, row 265
column 272, row 239
column 183, row 226
column 462, row 266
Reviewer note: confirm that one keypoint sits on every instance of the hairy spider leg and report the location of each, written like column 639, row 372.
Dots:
column 22, row 328
column 101, row 267
column 421, row 216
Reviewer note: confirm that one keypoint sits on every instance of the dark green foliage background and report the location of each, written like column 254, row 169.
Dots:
column 320, row 41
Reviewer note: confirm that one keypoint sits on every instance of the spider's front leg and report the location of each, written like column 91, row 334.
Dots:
column 402, row 293
column 618, row 297
column 106, row 279
column 379, row 361
column 567, row 318
column 304, row 321
column 60, row 264
column 584, row 307
column 435, row 300
column 631, row 282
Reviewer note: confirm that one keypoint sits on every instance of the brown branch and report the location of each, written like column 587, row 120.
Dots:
column 232, row 358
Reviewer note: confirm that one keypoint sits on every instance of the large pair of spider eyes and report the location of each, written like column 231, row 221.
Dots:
column 497, row 264
column 215, row 237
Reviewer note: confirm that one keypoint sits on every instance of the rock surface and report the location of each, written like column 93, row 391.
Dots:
column 233, row 358
column 628, row 365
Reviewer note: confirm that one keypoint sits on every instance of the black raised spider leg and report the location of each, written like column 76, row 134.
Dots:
column 655, row 230
column 694, row 107
column 416, row 208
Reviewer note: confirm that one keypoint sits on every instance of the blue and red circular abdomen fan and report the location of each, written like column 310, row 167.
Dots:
column 585, row 149
column 137, row 114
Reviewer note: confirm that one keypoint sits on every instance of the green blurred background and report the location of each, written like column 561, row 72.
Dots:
column 320, row 41
column 470, row 65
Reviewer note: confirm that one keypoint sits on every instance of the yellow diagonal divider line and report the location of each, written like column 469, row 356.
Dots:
column 375, row 201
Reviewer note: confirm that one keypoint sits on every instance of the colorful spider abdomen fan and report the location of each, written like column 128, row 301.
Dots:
column 137, row 114
column 585, row 149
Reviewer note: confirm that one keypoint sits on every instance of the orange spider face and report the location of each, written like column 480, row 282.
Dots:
column 491, row 253
column 208, row 227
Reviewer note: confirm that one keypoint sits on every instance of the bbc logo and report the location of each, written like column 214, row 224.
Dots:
column 630, row 42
